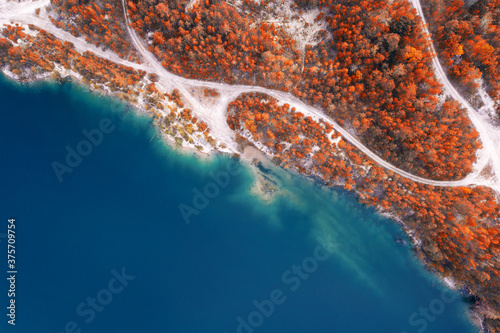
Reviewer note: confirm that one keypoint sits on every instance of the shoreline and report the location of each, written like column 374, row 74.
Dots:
column 174, row 134
column 414, row 245
column 265, row 187
column 251, row 157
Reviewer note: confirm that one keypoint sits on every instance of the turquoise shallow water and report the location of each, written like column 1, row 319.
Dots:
column 107, row 249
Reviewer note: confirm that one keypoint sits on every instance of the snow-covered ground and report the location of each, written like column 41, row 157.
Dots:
column 216, row 115
column 488, row 102
column 16, row 8
column 302, row 27
column 488, row 133
column 24, row 13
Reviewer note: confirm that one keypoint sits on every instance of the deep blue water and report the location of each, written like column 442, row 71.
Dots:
column 119, row 209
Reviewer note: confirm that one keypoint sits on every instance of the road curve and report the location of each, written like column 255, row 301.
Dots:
column 216, row 117
column 183, row 83
column 472, row 113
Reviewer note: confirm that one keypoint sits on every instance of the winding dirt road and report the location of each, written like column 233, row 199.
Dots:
column 216, row 116
column 219, row 111
column 483, row 127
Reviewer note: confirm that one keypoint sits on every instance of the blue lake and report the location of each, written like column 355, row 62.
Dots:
column 107, row 249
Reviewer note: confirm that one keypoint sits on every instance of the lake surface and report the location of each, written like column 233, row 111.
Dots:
column 102, row 246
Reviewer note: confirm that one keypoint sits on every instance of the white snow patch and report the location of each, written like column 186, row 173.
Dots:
column 303, row 28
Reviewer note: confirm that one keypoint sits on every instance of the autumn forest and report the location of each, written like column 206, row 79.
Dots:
column 369, row 68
